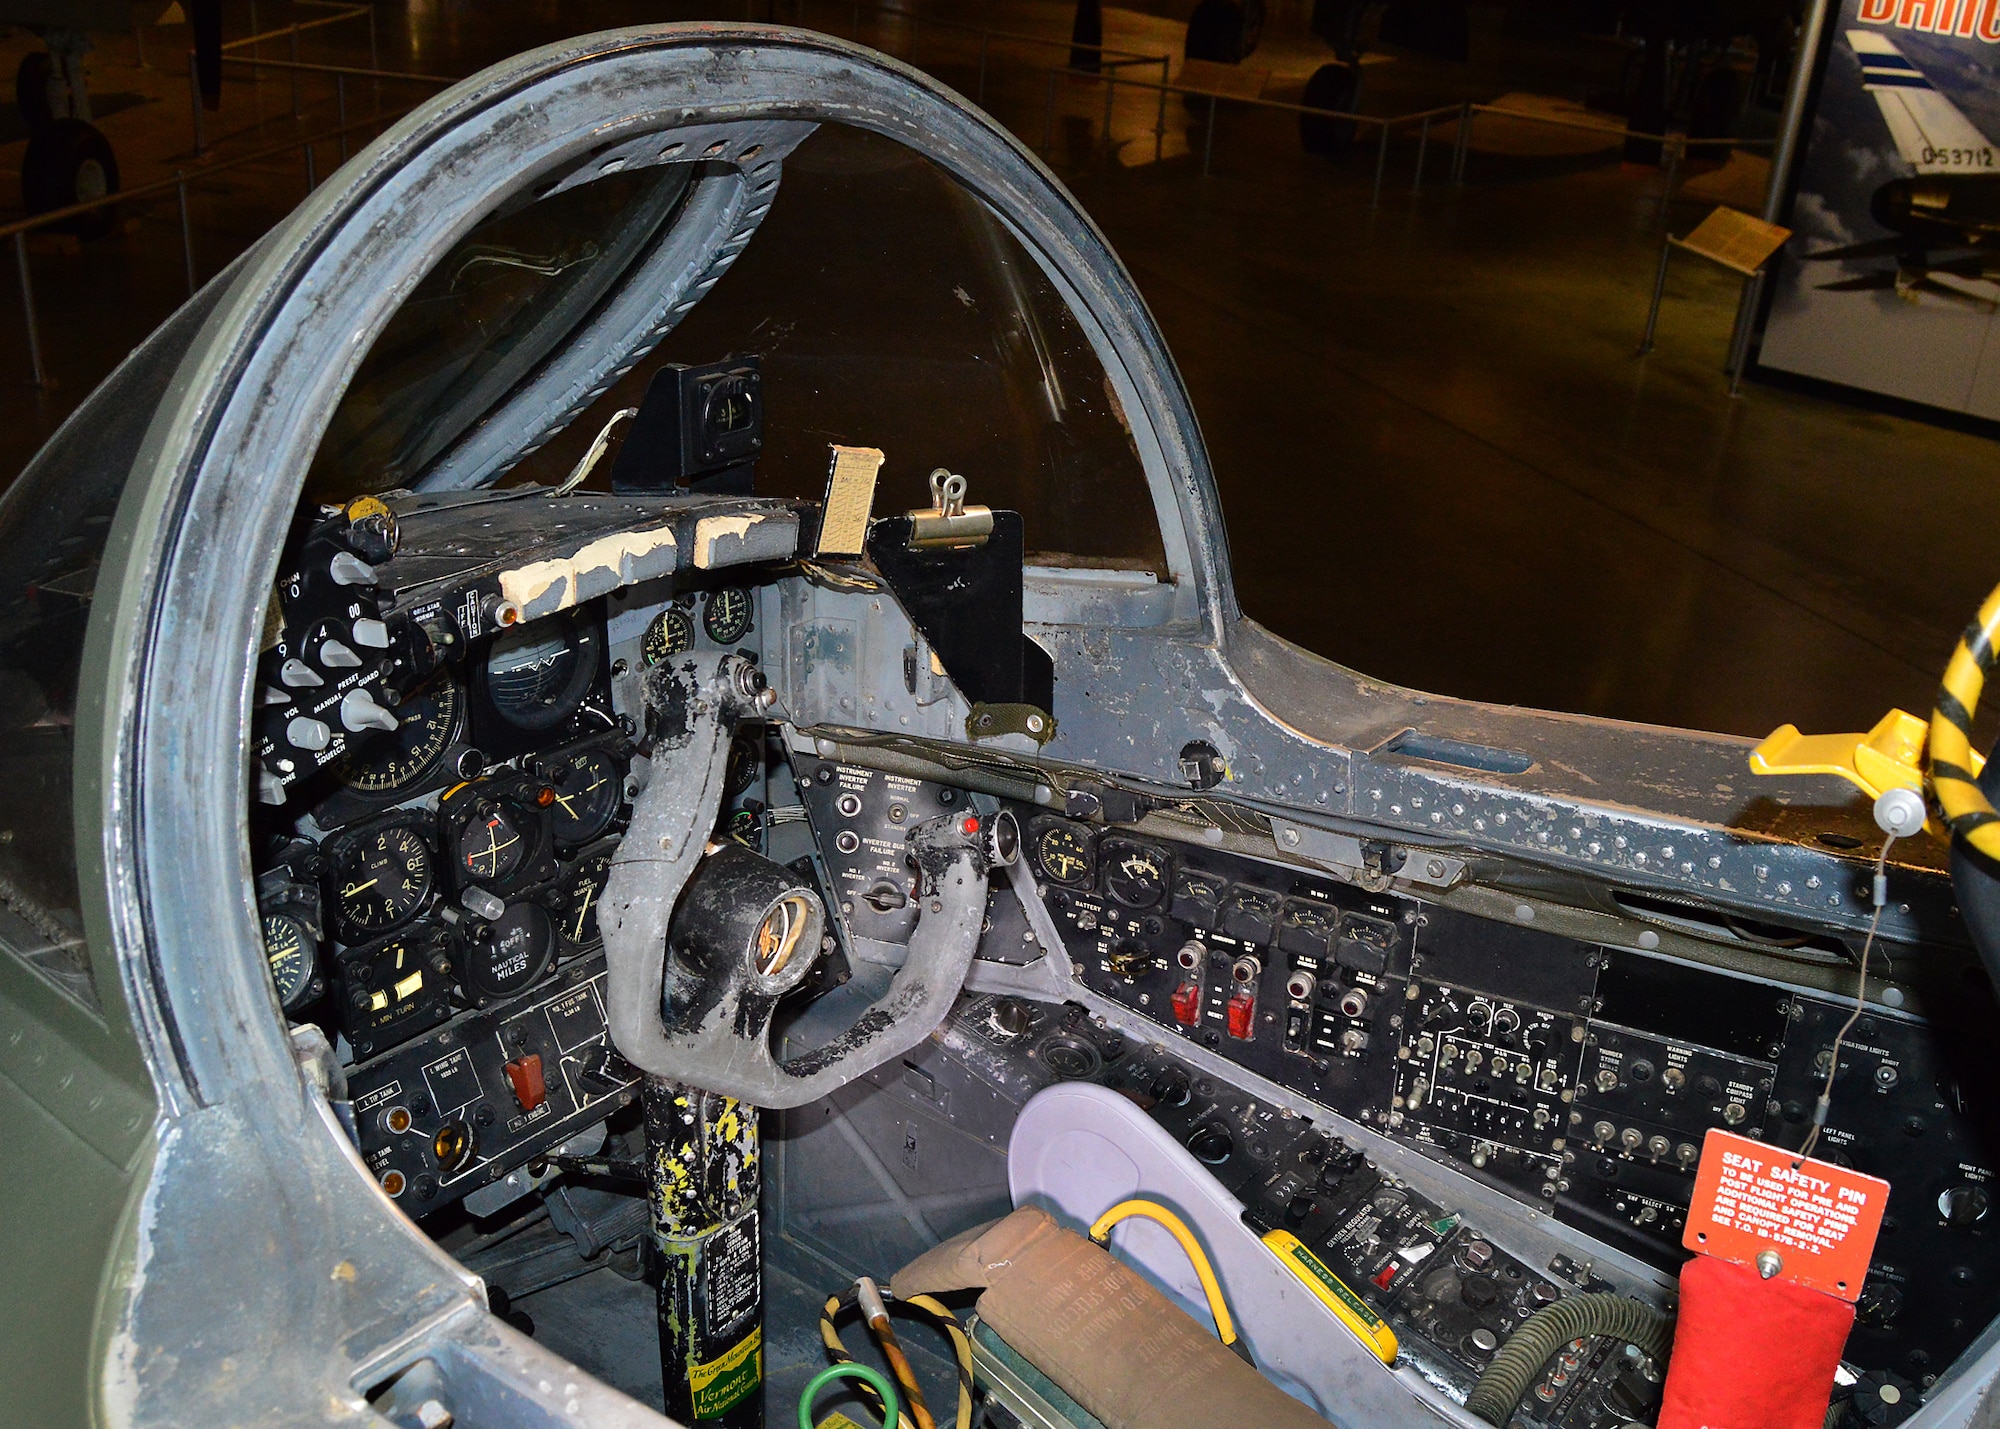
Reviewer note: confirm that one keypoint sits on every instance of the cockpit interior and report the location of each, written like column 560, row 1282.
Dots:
column 657, row 731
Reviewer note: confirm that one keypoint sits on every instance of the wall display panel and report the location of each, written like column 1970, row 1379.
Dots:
column 1889, row 284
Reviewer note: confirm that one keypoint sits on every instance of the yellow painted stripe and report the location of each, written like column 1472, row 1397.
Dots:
column 1964, row 681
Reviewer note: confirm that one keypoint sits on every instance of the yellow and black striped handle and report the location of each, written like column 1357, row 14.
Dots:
column 1967, row 810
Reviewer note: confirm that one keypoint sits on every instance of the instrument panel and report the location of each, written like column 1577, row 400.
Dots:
column 435, row 908
column 1577, row 1077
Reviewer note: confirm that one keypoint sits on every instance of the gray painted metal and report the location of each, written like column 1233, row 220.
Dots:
column 249, row 1153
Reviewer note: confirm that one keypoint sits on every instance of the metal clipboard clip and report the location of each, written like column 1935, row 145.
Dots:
column 950, row 522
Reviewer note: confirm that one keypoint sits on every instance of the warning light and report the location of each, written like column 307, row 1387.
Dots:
column 544, row 796
column 1242, row 1013
column 1187, row 1004
column 972, row 823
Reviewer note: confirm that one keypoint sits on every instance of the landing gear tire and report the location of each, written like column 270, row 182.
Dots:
column 39, row 91
column 69, row 162
column 1332, row 86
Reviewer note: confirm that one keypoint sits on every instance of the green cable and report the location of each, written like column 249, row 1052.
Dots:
column 875, row 1377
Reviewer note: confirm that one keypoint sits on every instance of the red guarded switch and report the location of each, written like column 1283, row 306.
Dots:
column 526, row 1075
column 1187, row 1004
column 1242, row 1015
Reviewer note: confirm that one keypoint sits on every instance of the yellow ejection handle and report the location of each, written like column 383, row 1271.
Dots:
column 1967, row 810
column 1225, row 1328
column 1350, row 1309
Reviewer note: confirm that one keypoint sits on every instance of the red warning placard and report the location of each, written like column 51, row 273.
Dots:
column 1820, row 1219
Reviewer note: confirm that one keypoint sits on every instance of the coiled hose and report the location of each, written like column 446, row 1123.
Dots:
column 1500, row 1389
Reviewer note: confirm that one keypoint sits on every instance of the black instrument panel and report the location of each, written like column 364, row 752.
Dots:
column 449, row 884
column 1577, row 1077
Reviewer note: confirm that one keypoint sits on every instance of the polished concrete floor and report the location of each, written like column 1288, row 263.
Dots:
column 1441, row 461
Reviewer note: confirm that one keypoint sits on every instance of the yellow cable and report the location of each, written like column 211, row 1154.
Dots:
column 947, row 1321
column 1225, row 1328
column 1967, row 810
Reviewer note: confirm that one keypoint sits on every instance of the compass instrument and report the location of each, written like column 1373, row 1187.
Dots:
column 381, row 878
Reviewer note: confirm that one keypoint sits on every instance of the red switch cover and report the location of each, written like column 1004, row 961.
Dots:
column 526, row 1075
column 1187, row 1004
column 1242, row 1013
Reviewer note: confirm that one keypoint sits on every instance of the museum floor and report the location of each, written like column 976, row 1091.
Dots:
column 1440, row 459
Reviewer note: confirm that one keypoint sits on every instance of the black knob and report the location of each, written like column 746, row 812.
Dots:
column 1171, row 1088
column 1301, row 1207
column 1010, row 1018
column 1962, row 1205
column 1479, row 1291
column 1211, row 1144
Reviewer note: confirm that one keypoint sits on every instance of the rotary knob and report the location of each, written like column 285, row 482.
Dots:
column 1964, row 1205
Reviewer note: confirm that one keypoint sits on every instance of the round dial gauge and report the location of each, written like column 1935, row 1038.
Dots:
column 490, row 845
column 670, row 634
column 501, row 958
column 1062, row 853
column 382, row 880
column 537, row 674
column 576, row 917
column 745, row 764
column 1134, row 874
column 427, row 723
column 292, row 950
column 726, row 617
column 588, row 789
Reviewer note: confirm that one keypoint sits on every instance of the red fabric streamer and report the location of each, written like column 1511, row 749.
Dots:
column 1751, row 1353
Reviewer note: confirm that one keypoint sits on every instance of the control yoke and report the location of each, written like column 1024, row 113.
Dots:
column 700, row 948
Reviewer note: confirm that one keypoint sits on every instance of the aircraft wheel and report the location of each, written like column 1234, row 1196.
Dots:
column 68, row 162
column 1332, row 86
column 40, row 92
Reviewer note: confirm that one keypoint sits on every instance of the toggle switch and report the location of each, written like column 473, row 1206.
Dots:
column 1187, row 1004
column 358, row 711
column 525, row 1073
column 347, row 569
column 1242, row 1016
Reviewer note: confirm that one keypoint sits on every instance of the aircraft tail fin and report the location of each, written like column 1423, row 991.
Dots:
column 1929, row 131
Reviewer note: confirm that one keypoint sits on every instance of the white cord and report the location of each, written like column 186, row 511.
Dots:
column 588, row 463
column 1880, row 889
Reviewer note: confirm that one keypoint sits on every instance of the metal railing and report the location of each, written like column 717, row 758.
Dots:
column 19, row 230
column 1113, row 64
